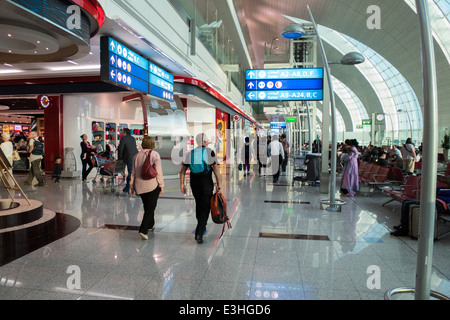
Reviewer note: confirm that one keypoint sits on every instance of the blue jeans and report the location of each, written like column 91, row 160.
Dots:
column 129, row 168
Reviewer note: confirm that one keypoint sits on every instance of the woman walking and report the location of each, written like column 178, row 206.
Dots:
column 8, row 148
column 87, row 151
column 148, row 190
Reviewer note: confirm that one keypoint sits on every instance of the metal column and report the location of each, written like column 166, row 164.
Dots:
column 332, row 206
column 429, row 162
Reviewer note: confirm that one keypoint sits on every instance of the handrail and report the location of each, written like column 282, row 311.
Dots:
column 434, row 294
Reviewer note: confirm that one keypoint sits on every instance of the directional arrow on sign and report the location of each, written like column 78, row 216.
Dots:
column 113, row 60
column 113, row 46
column 113, row 74
column 251, row 74
column 251, row 85
column 251, row 95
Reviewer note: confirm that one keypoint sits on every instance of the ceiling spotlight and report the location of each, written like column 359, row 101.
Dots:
column 293, row 31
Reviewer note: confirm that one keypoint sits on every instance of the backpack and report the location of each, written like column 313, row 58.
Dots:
column 198, row 164
column 148, row 170
column 219, row 211
column 38, row 148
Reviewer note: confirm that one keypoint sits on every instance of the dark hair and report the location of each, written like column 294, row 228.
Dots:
column 57, row 158
column 127, row 131
column 247, row 139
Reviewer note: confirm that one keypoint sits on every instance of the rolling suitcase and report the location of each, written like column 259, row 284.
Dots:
column 414, row 216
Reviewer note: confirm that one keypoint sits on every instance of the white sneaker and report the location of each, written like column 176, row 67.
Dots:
column 143, row 236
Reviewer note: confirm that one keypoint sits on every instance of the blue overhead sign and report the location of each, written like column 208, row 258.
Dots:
column 124, row 52
column 286, row 95
column 128, row 69
column 284, row 85
column 270, row 74
column 278, row 125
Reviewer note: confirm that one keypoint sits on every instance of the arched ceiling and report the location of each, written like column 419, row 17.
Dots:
column 397, row 41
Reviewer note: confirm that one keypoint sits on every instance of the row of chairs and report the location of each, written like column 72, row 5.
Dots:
column 376, row 177
column 399, row 186
column 410, row 190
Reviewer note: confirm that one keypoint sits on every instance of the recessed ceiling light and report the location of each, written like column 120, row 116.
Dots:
column 78, row 68
column 10, row 71
column 9, row 35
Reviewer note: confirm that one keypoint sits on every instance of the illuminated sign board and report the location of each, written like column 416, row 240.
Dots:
column 284, row 85
column 132, row 71
column 278, row 125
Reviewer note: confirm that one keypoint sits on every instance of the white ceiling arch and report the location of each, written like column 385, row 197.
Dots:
column 397, row 41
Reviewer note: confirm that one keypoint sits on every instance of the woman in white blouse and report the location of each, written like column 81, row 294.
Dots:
column 409, row 156
column 8, row 148
column 148, row 190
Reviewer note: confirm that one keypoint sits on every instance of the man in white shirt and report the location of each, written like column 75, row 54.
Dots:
column 36, row 154
column 277, row 157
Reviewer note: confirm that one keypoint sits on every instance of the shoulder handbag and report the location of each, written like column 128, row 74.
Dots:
column 148, row 170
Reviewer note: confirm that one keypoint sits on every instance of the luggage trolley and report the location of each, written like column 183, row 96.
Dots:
column 109, row 171
column 99, row 163
column 312, row 177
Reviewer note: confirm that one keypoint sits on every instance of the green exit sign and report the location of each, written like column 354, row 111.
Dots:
column 359, row 127
column 367, row 122
column 291, row 119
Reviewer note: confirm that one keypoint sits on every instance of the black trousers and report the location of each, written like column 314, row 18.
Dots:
column 150, row 200
column 404, row 219
column 202, row 186
column 277, row 162
column 86, row 171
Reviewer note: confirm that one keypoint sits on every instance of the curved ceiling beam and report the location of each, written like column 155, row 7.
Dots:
column 344, row 44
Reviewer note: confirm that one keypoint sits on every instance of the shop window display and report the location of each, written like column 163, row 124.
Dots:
column 98, row 136
column 137, row 131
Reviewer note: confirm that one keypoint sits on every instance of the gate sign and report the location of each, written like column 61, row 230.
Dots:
column 132, row 71
column 278, row 125
column 284, row 85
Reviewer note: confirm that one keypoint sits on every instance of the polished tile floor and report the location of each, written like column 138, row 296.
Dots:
column 281, row 246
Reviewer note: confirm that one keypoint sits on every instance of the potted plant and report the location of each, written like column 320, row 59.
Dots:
column 446, row 145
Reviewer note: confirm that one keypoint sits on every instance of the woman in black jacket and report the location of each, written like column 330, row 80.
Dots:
column 87, row 150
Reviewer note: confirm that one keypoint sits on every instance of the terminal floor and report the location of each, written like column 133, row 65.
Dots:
column 281, row 246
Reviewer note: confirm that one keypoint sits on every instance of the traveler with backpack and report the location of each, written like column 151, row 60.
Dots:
column 147, row 181
column 202, row 162
column 36, row 150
